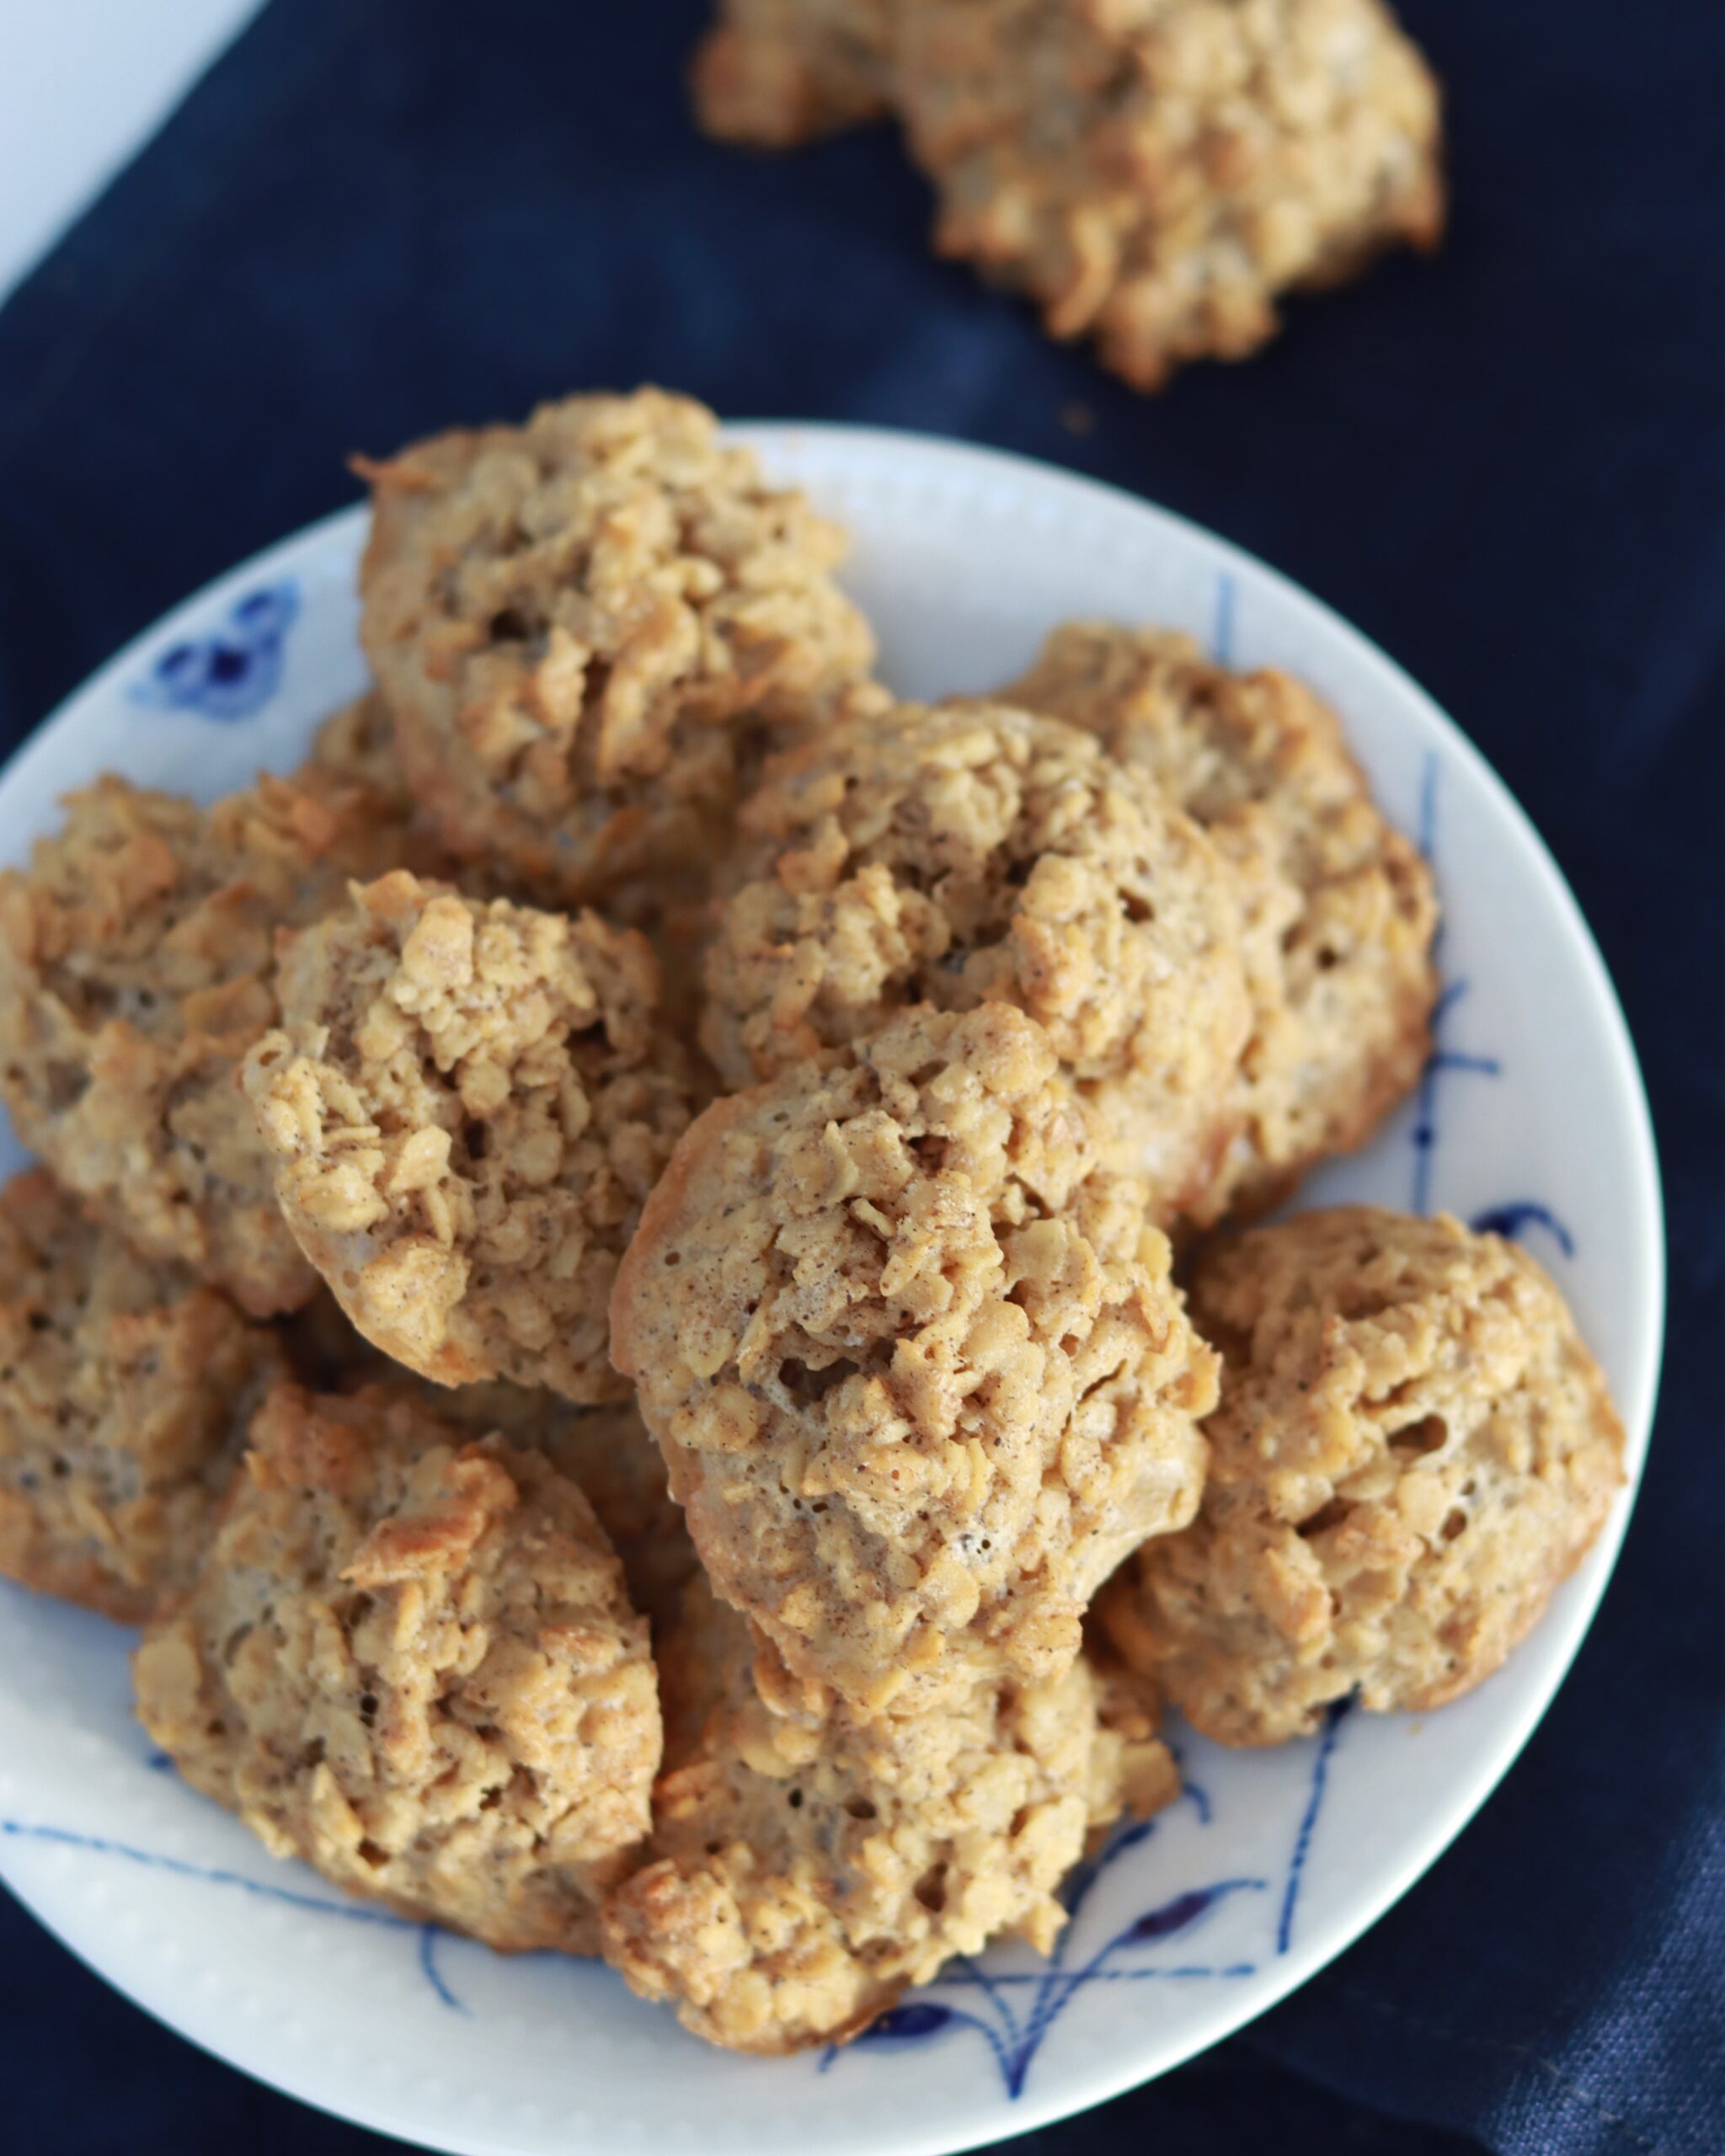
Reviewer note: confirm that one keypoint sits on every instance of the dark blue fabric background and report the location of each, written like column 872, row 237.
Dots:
column 1506, row 465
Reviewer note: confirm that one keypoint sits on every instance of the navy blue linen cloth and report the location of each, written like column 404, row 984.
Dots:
column 375, row 218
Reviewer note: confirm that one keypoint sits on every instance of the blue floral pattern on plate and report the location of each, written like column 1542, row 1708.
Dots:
column 233, row 672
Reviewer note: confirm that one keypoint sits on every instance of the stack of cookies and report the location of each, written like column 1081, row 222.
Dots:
column 637, row 1273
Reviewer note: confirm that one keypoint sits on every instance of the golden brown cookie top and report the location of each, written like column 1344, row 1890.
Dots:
column 915, row 1359
column 773, row 73
column 125, row 1389
column 146, row 908
column 972, row 853
column 59, row 1270
column 609, row 1454
column 1413, row 1447
column 606, row 1451
column 1338, row 909
column 410, row 1660
column 467, row 1107
column 572, row 619
column 136, row 965
column 1216, row 741
column 807, row 1864
column 1154, row 174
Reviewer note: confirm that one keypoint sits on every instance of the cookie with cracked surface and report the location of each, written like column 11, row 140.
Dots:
column 125, row 1391
column 136, row 967
column 466, row 1105
column 968, row 853
column 1154, row 173
column 772, row 73
column 410, row 1660
column 1338, row 908
column 606, row 1451
column 807, row 1865
column 915, row 1359
column 581, row 624
column 1413, row 1448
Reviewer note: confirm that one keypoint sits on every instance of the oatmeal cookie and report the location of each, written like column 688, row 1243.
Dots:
column 970, row 853
column 355, row 746
column 1413, row 1448
column 1338, row 909
column 410, row 1661
column 606, row 1451
column 580, row 624
column 915, row 1360
column 1132, row 1771
column 136, row 967
column 354, row 764
column 609, row 1454
column 1156, row 173
column 467, row 1107
column 807, row 1865
column 125, row 1390
column 773, row 73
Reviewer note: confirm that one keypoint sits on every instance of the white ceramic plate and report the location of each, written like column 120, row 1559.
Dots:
column 1531, row 1116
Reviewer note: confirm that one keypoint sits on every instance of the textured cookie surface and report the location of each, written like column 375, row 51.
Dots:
column 410, row 1660
column 355, row 764
column 916, row 1363
column 1338, row 909
column 775, row 72
column 125, row 1390
column 973, row 853
column 1413, row 1448
column 1133, row 1773
column 577, row 624
column 467, row 1107
column 355, row 746
column 807, row 1866
column 607, row 1452
column 136, row 969
column 1155, row 172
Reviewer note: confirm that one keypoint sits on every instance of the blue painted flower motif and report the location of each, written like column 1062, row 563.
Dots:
column 1443, row 1059
column 1515, row 1218
column 234, row 673
column 1516, row 1215
column 908, row 2024
column 1171, row 1917
column 1308, row 1821
column 348, row 1912
column 1013, row 2011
